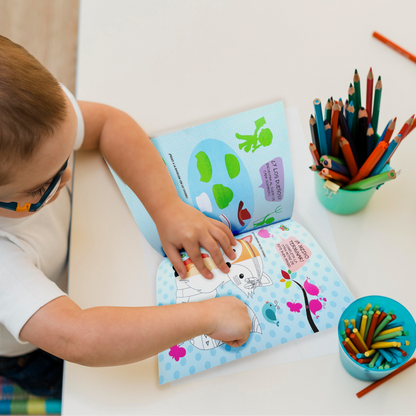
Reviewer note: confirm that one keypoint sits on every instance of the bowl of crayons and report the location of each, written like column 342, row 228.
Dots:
column 376, row 336
column 351, row 159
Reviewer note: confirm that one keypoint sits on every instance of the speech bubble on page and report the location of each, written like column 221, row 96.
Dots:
column 273, row 180
column 294, row 253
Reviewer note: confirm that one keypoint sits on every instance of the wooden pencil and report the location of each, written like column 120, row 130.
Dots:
column 341, row 105
column 406, row 127
column 369, row 95
column 394, row 46
column 369, row 164
column 328, row 111
column 357, row 102
column 383, row 380
column 335, row 175
column 316, row 168
column 314, row 133
column 334, row 128
column 349, row 157
column 320, row 125
column 362, row 128
column 336, row 167
column 350, row 116
column 376, row 105
column 413, row 126
column 314, row 153
column 345, row 132
column 351, row 93
column 370, row 140
column 390, row 130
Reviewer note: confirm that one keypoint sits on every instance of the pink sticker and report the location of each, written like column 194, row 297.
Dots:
column 294, row 253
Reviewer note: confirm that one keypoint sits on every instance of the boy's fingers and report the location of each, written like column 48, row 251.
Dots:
column 224, row 242
column 195, row 255
column 176, row 260
column 226, row 230
column 212, row 247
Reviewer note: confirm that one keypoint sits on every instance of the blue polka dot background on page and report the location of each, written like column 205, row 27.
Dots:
column 277, row 303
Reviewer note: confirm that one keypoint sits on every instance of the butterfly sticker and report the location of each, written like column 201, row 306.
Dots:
column 294, row 307
column 177, row 352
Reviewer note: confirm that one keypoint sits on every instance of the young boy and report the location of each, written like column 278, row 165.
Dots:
column 40, row 125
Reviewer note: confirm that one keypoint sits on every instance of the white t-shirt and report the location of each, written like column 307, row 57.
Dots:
column 33, row 261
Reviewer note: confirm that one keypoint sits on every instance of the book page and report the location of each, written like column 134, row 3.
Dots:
column 288, row 284
column 236, row 170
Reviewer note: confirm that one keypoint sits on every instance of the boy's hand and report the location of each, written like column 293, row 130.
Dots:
column 182, row 226
column 231, row 322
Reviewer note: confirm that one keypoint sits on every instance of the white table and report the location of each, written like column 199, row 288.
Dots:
column 172, row 64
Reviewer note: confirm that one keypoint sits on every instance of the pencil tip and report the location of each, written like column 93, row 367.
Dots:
column 379, row 77
column 355, row 72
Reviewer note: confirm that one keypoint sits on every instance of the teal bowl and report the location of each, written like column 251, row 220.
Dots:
column 363, row 372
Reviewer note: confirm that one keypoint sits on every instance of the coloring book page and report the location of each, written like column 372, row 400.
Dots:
column 289, row 286
column 236, row 170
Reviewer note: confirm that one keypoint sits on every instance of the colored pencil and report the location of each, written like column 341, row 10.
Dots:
column 393, row 324
column 316, row 168
column 328, row 111
column 369, row 353
column 390, row 130
column 381, row 317
column 363, row 325
column 390, row 331
column 336, row 167
column 360, row 339
column 369, row 95
column 375, row 358
column 351, row 94
column 369, row 320
column 352, row 346
column 357, row 102
column 347, row 347
column 382, row 345
column 350, row 116
column 346, row 133
column 314, row 153
column 353, row 323
column 370, row 140
column 362, row 127
column 376, row 106
column 341, row 105
column 382, row 324
column 387, row 336
column 372, row 182
column 320, row 125
column 413, row 126
column 330, row 174
column 369, row 164
column 381, row 138
column 394, row 46
column 357, row 343
column 334, row 159
column 314, row 133
column 328, row 132
column 372, row 327
column 386, row 156
column 406, row 127
column 349, row 157
column 334, row 128
column 345, row 107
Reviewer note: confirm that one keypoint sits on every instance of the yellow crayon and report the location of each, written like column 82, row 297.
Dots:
column 369, row 353
column 353, row 347
column 353, row 322
column 358, row 335
column 363, row 325
column 367, row 308
column 385, row 344
column 389, row 331
column 346, row 323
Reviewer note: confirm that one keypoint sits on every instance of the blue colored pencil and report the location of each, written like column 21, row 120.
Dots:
column 336, row 167
column 379, row 360
column 358, row 320
column 320, row 125
column 394, row 351
column 350, row 116
column 328, row 132
column 370, row 140
column 384, row 133
column 394, row 325
column 386, row 355
column 386, row 155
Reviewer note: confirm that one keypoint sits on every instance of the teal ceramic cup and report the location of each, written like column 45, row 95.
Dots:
column 363, row 372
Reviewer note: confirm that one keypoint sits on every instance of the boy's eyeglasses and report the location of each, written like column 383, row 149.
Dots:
column 46, row 197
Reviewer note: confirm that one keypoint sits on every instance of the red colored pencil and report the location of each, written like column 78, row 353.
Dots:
column 347, row 347
column 381, row 317
column 314, row 153
column 413, row 126
column 369, row 102
column 394, row 46
column 406, row 127
column 370, row 162
column 349, row 157
column 330, row 174
column 390, row 130
column 383, row 380
column 365, row 360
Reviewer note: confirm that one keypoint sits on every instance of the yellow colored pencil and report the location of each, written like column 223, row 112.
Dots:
column 370, row 353
column 352, row 346
column 382, row 344
column 346, row 323
column 363, row 326
column 389, row 331
column 367, row 308
column 358, row 335
column 353, row 322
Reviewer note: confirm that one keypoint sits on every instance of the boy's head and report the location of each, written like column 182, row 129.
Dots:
column 38, row 127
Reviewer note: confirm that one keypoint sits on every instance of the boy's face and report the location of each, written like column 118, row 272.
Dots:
column 31, row 179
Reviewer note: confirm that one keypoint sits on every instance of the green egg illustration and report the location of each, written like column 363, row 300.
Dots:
column 223, row 195
column 233, row 166
column 204, row 166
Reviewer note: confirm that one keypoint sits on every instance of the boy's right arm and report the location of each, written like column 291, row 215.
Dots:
column 108, row 336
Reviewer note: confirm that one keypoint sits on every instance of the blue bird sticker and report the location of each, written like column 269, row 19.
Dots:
column 269, row 311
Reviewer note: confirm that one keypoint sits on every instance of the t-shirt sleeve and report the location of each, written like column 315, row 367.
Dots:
column 24, row 289
column 81, row 127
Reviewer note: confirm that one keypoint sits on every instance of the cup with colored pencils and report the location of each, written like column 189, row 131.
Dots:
column 376, row 336
column 351, row 159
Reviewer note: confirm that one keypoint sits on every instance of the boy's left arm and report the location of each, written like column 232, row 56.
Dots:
column 129, row 151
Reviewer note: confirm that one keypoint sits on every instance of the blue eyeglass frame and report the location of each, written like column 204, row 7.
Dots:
column 28, row 207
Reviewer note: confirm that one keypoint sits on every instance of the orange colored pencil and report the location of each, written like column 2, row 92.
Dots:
column 370, row 162
column 413, row 127
column 330, row 174
column 407, row 127
column 369, row 96
column 383, row 380
column 390, row 130
column 349, row 157
column 314, row 153
column 334, row 127
column 394, row 46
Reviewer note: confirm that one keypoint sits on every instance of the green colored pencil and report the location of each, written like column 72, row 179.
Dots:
column 371, row 182
column 370, row 318
column 376, row 106
column 357, row 103
column 373, row 361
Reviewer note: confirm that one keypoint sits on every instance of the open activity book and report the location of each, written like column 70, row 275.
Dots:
column 238, row 170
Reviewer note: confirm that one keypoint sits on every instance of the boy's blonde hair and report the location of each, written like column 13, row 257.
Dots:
column 32, row 105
